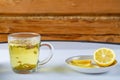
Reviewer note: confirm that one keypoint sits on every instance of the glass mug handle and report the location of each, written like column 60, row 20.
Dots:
column 44, row 61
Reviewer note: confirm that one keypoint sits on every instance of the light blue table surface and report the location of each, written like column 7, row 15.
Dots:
column 57, row 69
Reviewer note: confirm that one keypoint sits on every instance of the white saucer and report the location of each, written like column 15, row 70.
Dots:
column 88, row 70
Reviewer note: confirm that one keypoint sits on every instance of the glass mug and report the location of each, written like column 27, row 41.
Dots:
column 24, row 52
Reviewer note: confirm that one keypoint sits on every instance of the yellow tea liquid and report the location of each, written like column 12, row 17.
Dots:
column 24, row 54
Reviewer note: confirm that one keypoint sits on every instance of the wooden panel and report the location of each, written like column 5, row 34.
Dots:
column 78, row 20
column 60, row 6
column 76, row 28
column 75, row 37
column 68, row 25
column 3, row 37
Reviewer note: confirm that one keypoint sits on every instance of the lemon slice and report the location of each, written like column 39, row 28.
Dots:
column 104, row 57
column 82, row 63
column 77, row 62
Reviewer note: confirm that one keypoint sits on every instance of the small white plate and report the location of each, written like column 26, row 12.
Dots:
column 88, row 70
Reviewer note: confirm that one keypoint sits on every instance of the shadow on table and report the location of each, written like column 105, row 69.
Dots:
column 4, row 68
column 55, row 69
column 62, row 69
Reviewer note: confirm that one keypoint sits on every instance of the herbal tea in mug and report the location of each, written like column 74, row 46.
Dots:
column 24, row 55
column 24, row 52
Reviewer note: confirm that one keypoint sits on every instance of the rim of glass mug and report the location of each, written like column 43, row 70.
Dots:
column 24, row 35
